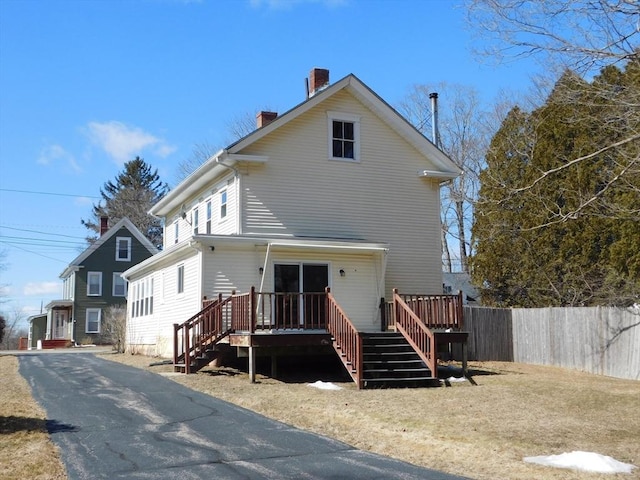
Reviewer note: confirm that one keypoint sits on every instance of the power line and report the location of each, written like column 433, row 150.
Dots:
column 43, row 233
column 35, row 253
column 48, row 193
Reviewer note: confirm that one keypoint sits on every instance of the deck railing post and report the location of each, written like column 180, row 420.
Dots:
column 187, row 351
column 460, row 311
column 394, row 308
column 175, row 343
column 252, row 310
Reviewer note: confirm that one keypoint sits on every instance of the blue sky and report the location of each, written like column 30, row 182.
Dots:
column 87, row 85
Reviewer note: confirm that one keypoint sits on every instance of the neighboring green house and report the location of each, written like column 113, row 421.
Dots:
column 92, row 283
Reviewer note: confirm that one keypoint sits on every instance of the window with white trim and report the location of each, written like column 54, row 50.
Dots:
column 119, row 285
column 176, row 231
column 195, row 220
column 94, row 284
column 141, row 298
column 180, row 279
column 208, row 216
column 223, row 204
column 344, row 136
column 123, row 249
column 93, row 318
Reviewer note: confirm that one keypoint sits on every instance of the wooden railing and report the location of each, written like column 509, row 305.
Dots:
column 415, row 332
column 436, row 311
column 208, row 326
column 262, row 311
column 347, row 341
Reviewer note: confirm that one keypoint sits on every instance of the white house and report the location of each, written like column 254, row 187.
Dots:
column 340, row 191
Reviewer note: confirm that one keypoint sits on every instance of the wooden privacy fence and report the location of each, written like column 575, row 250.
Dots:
column 601, row 340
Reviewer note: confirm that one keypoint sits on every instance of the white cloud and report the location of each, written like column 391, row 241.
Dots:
column 124, row 142
column 54, row 153
column 42, row 288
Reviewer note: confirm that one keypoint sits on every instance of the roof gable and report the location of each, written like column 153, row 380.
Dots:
column 224, row 159
column 375, row 103
column 123, row 222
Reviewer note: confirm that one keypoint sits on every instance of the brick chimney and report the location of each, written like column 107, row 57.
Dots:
column 265, row 118
column 318, row 79
column 104, row 225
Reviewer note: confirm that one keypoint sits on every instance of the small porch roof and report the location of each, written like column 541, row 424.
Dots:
column 58, row 304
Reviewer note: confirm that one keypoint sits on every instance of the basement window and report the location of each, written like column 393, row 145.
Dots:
column 344, row 136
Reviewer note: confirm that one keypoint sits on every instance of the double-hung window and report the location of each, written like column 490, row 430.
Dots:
column 344, row 136
column 93, row 318
column 223, row 204
column 123, row 249
column 94, row 284
column 180, row 279
column 119, row 285
column 208, row 216
column 195, row 220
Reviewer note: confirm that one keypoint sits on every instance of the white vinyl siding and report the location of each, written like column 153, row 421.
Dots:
column 358, row 292
column 153, row 333
column 357, row 200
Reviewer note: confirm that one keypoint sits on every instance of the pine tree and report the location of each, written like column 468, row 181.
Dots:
column 132, row 194
column 554, row 226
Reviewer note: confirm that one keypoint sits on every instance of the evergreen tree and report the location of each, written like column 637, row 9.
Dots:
column 135, row 190
column 554, row 225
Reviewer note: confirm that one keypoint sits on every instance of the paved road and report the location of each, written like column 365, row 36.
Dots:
column 114, row 421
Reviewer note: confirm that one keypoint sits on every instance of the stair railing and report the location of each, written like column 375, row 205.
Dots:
column 192, row 337
column 419, row 336
column 347, row 341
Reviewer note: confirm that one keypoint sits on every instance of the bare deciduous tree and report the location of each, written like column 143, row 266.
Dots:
column 464, row 131
column 114, row 327
column 588, row 37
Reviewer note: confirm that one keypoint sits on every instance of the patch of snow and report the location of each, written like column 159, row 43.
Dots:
column 324, row 385
column 586, row 461
column 456, row 379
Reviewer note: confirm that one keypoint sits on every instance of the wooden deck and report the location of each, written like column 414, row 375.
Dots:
column 258, row 323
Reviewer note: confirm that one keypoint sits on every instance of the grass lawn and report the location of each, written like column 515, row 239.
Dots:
column 481, row 432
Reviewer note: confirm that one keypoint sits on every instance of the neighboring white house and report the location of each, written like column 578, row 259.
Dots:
column 340, row 191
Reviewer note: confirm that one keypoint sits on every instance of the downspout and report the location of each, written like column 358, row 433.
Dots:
column 264, row 273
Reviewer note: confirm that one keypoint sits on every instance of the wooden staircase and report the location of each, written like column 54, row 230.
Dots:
column 389, row 361
column 404, row 358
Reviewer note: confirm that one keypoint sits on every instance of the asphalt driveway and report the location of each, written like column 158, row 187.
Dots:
column 115, row 421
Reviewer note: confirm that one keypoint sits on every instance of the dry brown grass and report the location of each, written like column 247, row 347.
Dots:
column 481, row 432
column 25, row 448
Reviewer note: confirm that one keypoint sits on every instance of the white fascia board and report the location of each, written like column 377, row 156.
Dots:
column 291, row 242
column 151, row 263
column 402, row 127
column 214, row 167
column 438, row 174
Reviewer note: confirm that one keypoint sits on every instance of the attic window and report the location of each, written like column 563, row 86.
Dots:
column 344, row 136
column 123, row 249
